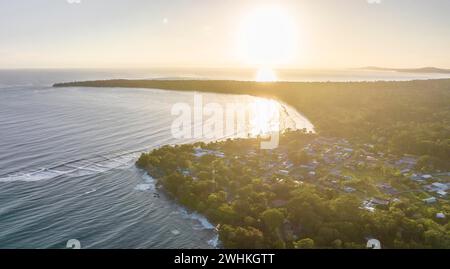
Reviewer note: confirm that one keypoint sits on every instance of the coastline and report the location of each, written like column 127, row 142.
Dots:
column 332, row 105
column 325, row 104
column 152, row 183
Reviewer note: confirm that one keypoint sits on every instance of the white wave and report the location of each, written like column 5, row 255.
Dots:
column 85, row 167
column 202, row 221
column 148, row 179
column 214, row 242
column 203, row 224
column 149, row 183
column 42, row 174
column 143, row 187
column 91, row 191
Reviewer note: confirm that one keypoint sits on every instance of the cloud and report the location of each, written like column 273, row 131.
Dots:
column 74, row 1
column 374, row 1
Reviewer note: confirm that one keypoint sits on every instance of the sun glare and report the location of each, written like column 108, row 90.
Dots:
column 264, row 117
column 267, row 37
column 266, row 75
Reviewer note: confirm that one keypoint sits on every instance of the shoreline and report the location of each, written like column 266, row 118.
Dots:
column 187, row 213
column 365, row 113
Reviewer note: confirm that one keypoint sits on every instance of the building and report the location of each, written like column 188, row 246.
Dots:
column 381, row 202
column 440, row 215
column 371, row 204
column 439, row 186
column 430, row 200
column 349, row 189
column 442, row 193
column 416, row 177
column 407, row 162
column 405, row 171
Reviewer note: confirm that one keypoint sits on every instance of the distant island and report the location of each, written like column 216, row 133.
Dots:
column 427, row 70
column 377, row 167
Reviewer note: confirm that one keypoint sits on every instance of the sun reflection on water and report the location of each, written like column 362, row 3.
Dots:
column 264, row 117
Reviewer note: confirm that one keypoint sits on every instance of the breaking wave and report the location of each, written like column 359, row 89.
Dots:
column 148, row 185
column 201, row 221
column 76, row 168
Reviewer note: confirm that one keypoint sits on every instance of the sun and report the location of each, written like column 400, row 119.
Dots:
column 267, row 37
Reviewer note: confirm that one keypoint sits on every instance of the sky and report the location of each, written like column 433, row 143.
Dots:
column 224, row 33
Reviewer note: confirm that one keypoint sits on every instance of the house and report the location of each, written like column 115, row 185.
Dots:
column 372, row 203
column 407, row 161
column 186, row 172
column 283, row 172
column 288, row 165
column 415, row 177
column 430, row 200
column 349, row 189
column 439, row 186
column 378, row 201
column 440, row 215
column 442, row 193
column 367, row 205
column 427, row 177
column 405, row 171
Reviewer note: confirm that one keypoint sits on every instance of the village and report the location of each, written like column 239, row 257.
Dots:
column 377, row 178
column 310, row 191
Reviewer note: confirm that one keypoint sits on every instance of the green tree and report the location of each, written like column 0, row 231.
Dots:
column 306, row 243
column 273, row 219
